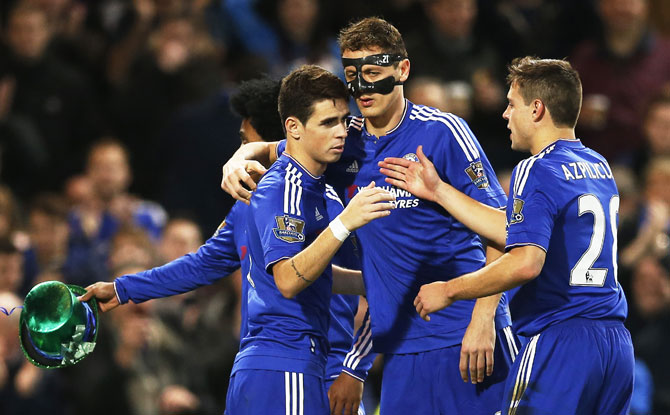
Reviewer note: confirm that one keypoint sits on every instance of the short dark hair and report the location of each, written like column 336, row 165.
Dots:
column 257, row 100
column 372, row 32
column 306, row 86
column 553, row 81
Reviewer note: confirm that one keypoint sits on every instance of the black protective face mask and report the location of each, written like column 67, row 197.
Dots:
column 359, row 86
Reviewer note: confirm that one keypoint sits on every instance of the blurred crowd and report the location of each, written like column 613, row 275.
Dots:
column 115, row 120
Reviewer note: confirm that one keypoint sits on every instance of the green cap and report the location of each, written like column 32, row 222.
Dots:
column 56, row 329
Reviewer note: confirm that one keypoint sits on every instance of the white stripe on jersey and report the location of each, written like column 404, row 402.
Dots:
column 287, row 393
column 511, row 344
column 459, row 132
column 465, row 134
column 292, row 190
column 361, row 348
column 356, row 122
column 294, row 393
column 332, row 194
column 523, row 170
column 301, row 395
column 523, row 375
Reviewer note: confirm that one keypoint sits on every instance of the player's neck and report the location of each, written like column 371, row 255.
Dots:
column 381, row 124
column 544, row 138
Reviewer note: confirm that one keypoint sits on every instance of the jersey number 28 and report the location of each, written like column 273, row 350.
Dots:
column 583, row 272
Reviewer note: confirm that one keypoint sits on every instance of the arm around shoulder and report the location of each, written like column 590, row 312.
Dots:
column 246, row 167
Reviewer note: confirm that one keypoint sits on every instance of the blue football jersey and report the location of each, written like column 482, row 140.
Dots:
column 217, row 259
column 566, row 202
column 288, row 211
column 419, row 242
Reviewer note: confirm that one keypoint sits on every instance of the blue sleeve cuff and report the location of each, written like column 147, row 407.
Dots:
column 358, row 375
column 120, row 290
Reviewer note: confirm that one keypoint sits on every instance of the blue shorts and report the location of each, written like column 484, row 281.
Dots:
column 253, row 392
column 430, row 382
column 578, row 366
column 361, row 408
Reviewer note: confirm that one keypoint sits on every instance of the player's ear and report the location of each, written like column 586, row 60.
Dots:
column 404, row 70
column 538, row 110
column 293, row 127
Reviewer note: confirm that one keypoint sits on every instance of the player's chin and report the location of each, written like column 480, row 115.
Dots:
column 333, row 156
column 369, row 111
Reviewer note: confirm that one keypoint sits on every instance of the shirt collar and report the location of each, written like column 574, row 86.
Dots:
column 286, row 159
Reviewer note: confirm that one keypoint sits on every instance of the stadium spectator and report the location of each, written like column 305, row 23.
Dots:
column 449, row 48
column 546, row 28
column 651, row 302
column 653, row 216
column 190, row 149
column 24, row 388
column 433, row 92
column 180, row 237
column 49, row 250
column 621, row 69
column 52, row 100
column 177, row 66
column 11, row 267
column 656, row 128
column 95, row 222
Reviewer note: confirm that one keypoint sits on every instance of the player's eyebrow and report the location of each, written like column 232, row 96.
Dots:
column 331, row 120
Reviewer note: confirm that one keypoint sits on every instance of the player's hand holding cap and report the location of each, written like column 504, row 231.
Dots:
column 56, row 329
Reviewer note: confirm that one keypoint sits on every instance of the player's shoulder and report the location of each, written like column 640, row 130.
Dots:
column 444, row 128
column 541, row 167
column 274, row 181
column 422, row 115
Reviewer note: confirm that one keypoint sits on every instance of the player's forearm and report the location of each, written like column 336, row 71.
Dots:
column 347, row 281
column 517, row 267
column 261, row 151
column 176, row 277
column 486, row 307
column 299, row 272
column 480, row 218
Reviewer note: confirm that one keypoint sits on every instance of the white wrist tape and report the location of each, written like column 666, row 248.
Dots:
column 339, row 230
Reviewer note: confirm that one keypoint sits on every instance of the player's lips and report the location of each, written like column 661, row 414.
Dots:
column 338, row 149
column 366, row 102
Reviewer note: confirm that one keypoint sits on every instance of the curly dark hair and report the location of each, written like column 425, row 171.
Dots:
column 257, row 100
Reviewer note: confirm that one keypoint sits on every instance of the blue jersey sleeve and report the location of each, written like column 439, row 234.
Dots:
column 463, row 163
column 532, row 211
column 359, row 360
column 280, row 223
column 214, row 260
